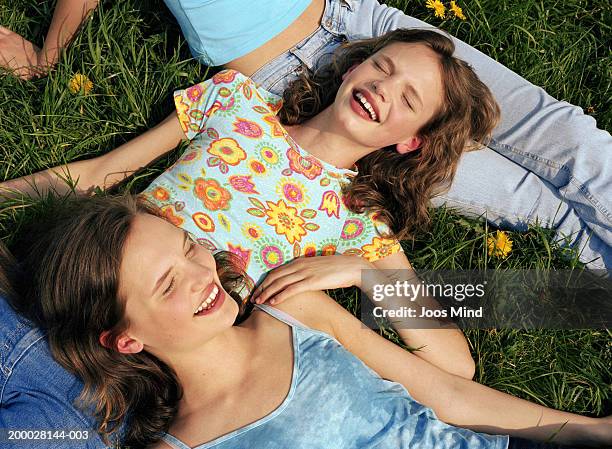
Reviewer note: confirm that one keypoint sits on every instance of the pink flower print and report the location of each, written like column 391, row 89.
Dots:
column 194, row 93
column 243, row 183
column 248, row 128
column 330, row 203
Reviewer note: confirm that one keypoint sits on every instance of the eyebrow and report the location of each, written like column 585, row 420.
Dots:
column 163, row 277
column 413, row 91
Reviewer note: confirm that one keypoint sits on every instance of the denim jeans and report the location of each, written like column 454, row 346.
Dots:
column 547, row 163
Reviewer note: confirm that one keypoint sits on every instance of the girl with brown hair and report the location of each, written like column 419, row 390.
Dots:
column 146, row 317
column 400, row 107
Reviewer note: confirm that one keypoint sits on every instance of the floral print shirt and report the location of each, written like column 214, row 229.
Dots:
column 245, row 186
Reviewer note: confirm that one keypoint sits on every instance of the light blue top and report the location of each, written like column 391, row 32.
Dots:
column 336, row 401
column 219, row 31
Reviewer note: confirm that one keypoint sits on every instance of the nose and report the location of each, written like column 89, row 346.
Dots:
column 380, row 89
column 201, row 277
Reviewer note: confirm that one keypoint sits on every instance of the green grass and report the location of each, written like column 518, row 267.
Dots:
column 133, row 53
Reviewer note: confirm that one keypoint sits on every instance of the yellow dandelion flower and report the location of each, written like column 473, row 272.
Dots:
column 78, row 82
column 457, row 11
column 499, row 245
column 437, row 6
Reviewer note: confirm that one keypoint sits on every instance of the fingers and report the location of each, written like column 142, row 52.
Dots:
column 269, row 289
column 290, row 291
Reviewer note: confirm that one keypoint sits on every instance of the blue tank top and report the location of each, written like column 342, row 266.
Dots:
column 219, row 31
column 335, row 401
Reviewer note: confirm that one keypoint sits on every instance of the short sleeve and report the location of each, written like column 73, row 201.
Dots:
column 197, row 104
column 364, row 235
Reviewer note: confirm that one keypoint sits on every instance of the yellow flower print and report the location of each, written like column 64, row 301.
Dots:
column 499, row 245
column 457, row 11
column 223, row 221
column 203, row 221
column 269, row 155
column 228, row 150
column 379, row 249
column 285, row 220
column 80, row 82
column 437, row 6
column 212, row 194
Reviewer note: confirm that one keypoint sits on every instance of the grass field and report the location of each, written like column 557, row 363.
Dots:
column 134, row 54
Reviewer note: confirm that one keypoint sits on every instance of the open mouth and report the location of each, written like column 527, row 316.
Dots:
column 366, row 109
column 211, row 302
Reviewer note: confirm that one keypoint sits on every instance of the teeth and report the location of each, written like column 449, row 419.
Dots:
column 367, row 105
column 207, row 303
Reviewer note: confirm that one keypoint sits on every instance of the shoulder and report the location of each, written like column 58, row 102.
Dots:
column 318, row 311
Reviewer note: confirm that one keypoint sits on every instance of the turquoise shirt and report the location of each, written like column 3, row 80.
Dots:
column 245, row 186
column 219, row 31
column 335, row 402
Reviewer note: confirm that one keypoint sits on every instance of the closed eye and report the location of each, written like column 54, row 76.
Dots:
column 168, row 290
column 407, row 102
column 380, row 67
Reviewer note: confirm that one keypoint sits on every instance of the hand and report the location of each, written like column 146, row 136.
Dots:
column 309, row 274
column 20, row 55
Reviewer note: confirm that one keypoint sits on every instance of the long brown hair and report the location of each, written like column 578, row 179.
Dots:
column 70, row 265
column 397, row 186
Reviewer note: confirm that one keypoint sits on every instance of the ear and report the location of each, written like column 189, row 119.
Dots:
column 124, row 344
column 351, row 68
column 414, row 143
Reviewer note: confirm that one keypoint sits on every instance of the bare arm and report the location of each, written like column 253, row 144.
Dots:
column 454, row 399
column 440, row 343
column 103, row 171
column 25, row 58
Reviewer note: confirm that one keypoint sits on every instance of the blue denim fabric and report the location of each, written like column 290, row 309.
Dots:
column 336, row 402
column 35, row 392
column 547, row 162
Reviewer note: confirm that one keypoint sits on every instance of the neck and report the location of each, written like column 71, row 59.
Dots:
column 317, row 136
column 215, row 367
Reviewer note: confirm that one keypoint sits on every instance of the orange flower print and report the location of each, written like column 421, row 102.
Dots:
column 167, row 213
column 379, row 249
column 212, row 194
column 160, row 194
column 244, row 254
column 276, row 130
column 310, row 250
column 328, row 250
column 224, row 77
column 228, row 150
column 257, row 167
column 307, row 166
column 247, row 128
column 243, row 183
column 203, row 221
column 330, row 203
column 252, row 231
column 285, row 220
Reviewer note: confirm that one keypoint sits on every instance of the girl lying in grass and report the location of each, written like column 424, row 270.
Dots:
column 547, row 160
column 146, row 317
column 401, row 106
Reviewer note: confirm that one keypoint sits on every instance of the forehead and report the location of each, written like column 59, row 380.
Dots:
column 420, row 66
column 149, row 241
